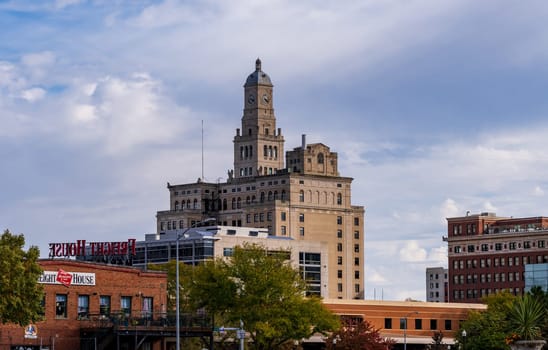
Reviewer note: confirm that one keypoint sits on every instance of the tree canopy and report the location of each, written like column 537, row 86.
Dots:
column 20, row 293
column 262, row 290
column 357, row 335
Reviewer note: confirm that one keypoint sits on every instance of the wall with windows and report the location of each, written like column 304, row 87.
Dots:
column 418, row 319
column 96, row 291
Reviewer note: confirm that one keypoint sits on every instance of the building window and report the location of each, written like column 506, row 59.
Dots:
column 125, row 305
column 104, row 305
column 418, row 323
column 228, row 251
column 447, row 325
column 498, row 246
column 339, row 234
column 339, row 287
column 356, row 248
column 301, row 196
column 261, row 217
column 61, row 306
column 248, row 218
column 339, row 260
column 387, row 323
column 356, row 234
column 339, row 220
column 283, row 215
column 269, row 216
column 339, row 199
column 284, row 230
column 434, row 324
column 301, row 231
column 339, row 273
column 357, row 274
column 339, row 247
column 356, row 288
column 356, row 261
column 301, row 217
column 356, row 221
column 83, row 306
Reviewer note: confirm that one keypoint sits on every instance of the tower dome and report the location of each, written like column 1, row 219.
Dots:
column 258, row 77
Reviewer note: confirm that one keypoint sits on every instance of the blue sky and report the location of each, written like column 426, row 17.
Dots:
column 434, row 107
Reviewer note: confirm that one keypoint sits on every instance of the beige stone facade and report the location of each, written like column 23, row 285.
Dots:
column 304, row 199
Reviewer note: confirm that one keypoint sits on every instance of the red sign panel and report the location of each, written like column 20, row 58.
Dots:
column 64, row 277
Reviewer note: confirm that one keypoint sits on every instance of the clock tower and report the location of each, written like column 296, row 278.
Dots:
column 258, row 145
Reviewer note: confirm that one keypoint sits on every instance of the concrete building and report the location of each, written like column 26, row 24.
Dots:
column 436, row 284
column 303, row 198
column 488, row 254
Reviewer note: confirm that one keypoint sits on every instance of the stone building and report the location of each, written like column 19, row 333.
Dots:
column 303, row 198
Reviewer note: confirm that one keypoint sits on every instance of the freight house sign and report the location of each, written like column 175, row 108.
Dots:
column 83, row 248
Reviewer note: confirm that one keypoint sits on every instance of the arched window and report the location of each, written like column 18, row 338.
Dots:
column 339, row 199
column 195, row 205
column 246, row 152
column 239, row 203
column 181, row 224
column 301, row 196
column 233, row 203
column 269, row 195
column 276, row 152
column 270, row 151
column 249, row 132
column 253, row 199
column 266, row 131
column 250, row 151
column 283, row 195
column 247, row 200
column 265, row 150
column 241, row 152
column 176, row 205
column 225, row 205
column 262, row 197
column 275, row 195
column 320, row 158
column 188, row 204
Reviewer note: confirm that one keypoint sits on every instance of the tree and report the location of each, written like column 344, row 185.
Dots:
column 20, row 293
column 357, row 335
column 526, row 317
column 262, row 290
column 437, row 341
column 488, row 330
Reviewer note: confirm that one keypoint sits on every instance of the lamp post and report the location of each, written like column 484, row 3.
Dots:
column 463, row 339
column 405, row 328
column 177, row 311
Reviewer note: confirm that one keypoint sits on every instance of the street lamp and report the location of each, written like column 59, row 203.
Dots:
column 405, row 328
column 177, row 311
column 463, row 339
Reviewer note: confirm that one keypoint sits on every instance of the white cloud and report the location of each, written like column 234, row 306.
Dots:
column 538, row 191
column 449, row 209
column 412, row 252
column 60, row 4
column 33, row 94
column 487, row 206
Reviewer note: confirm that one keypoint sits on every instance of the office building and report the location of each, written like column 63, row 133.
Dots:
column 436, row 284
column 302, row 198
column 488, row 254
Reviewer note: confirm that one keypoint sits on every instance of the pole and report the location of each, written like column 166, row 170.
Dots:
column 405, row 333
column 242, row 335
column 177, row 312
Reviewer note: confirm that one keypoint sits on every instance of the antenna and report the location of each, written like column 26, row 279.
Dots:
column 202, row 150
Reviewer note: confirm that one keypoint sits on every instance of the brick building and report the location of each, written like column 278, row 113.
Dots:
column 488, row 254
column 98, row 307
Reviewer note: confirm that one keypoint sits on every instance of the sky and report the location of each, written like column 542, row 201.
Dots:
column 435, row 108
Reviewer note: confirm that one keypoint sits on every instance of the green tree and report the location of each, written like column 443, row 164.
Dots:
column 526, row 317
column 357, row 335
column 488, row 330
column 437, row 341
column 20, row 293
column 262, row 290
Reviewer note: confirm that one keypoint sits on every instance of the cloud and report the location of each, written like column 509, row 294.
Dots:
column 412, row 252
column 538, row 191
column 123, row 113
column 33, row 94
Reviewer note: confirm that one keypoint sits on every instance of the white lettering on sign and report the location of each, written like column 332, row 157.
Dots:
column 78, row 278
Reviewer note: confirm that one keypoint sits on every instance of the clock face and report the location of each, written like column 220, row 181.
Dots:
column 266, row 99
column 251, row 99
